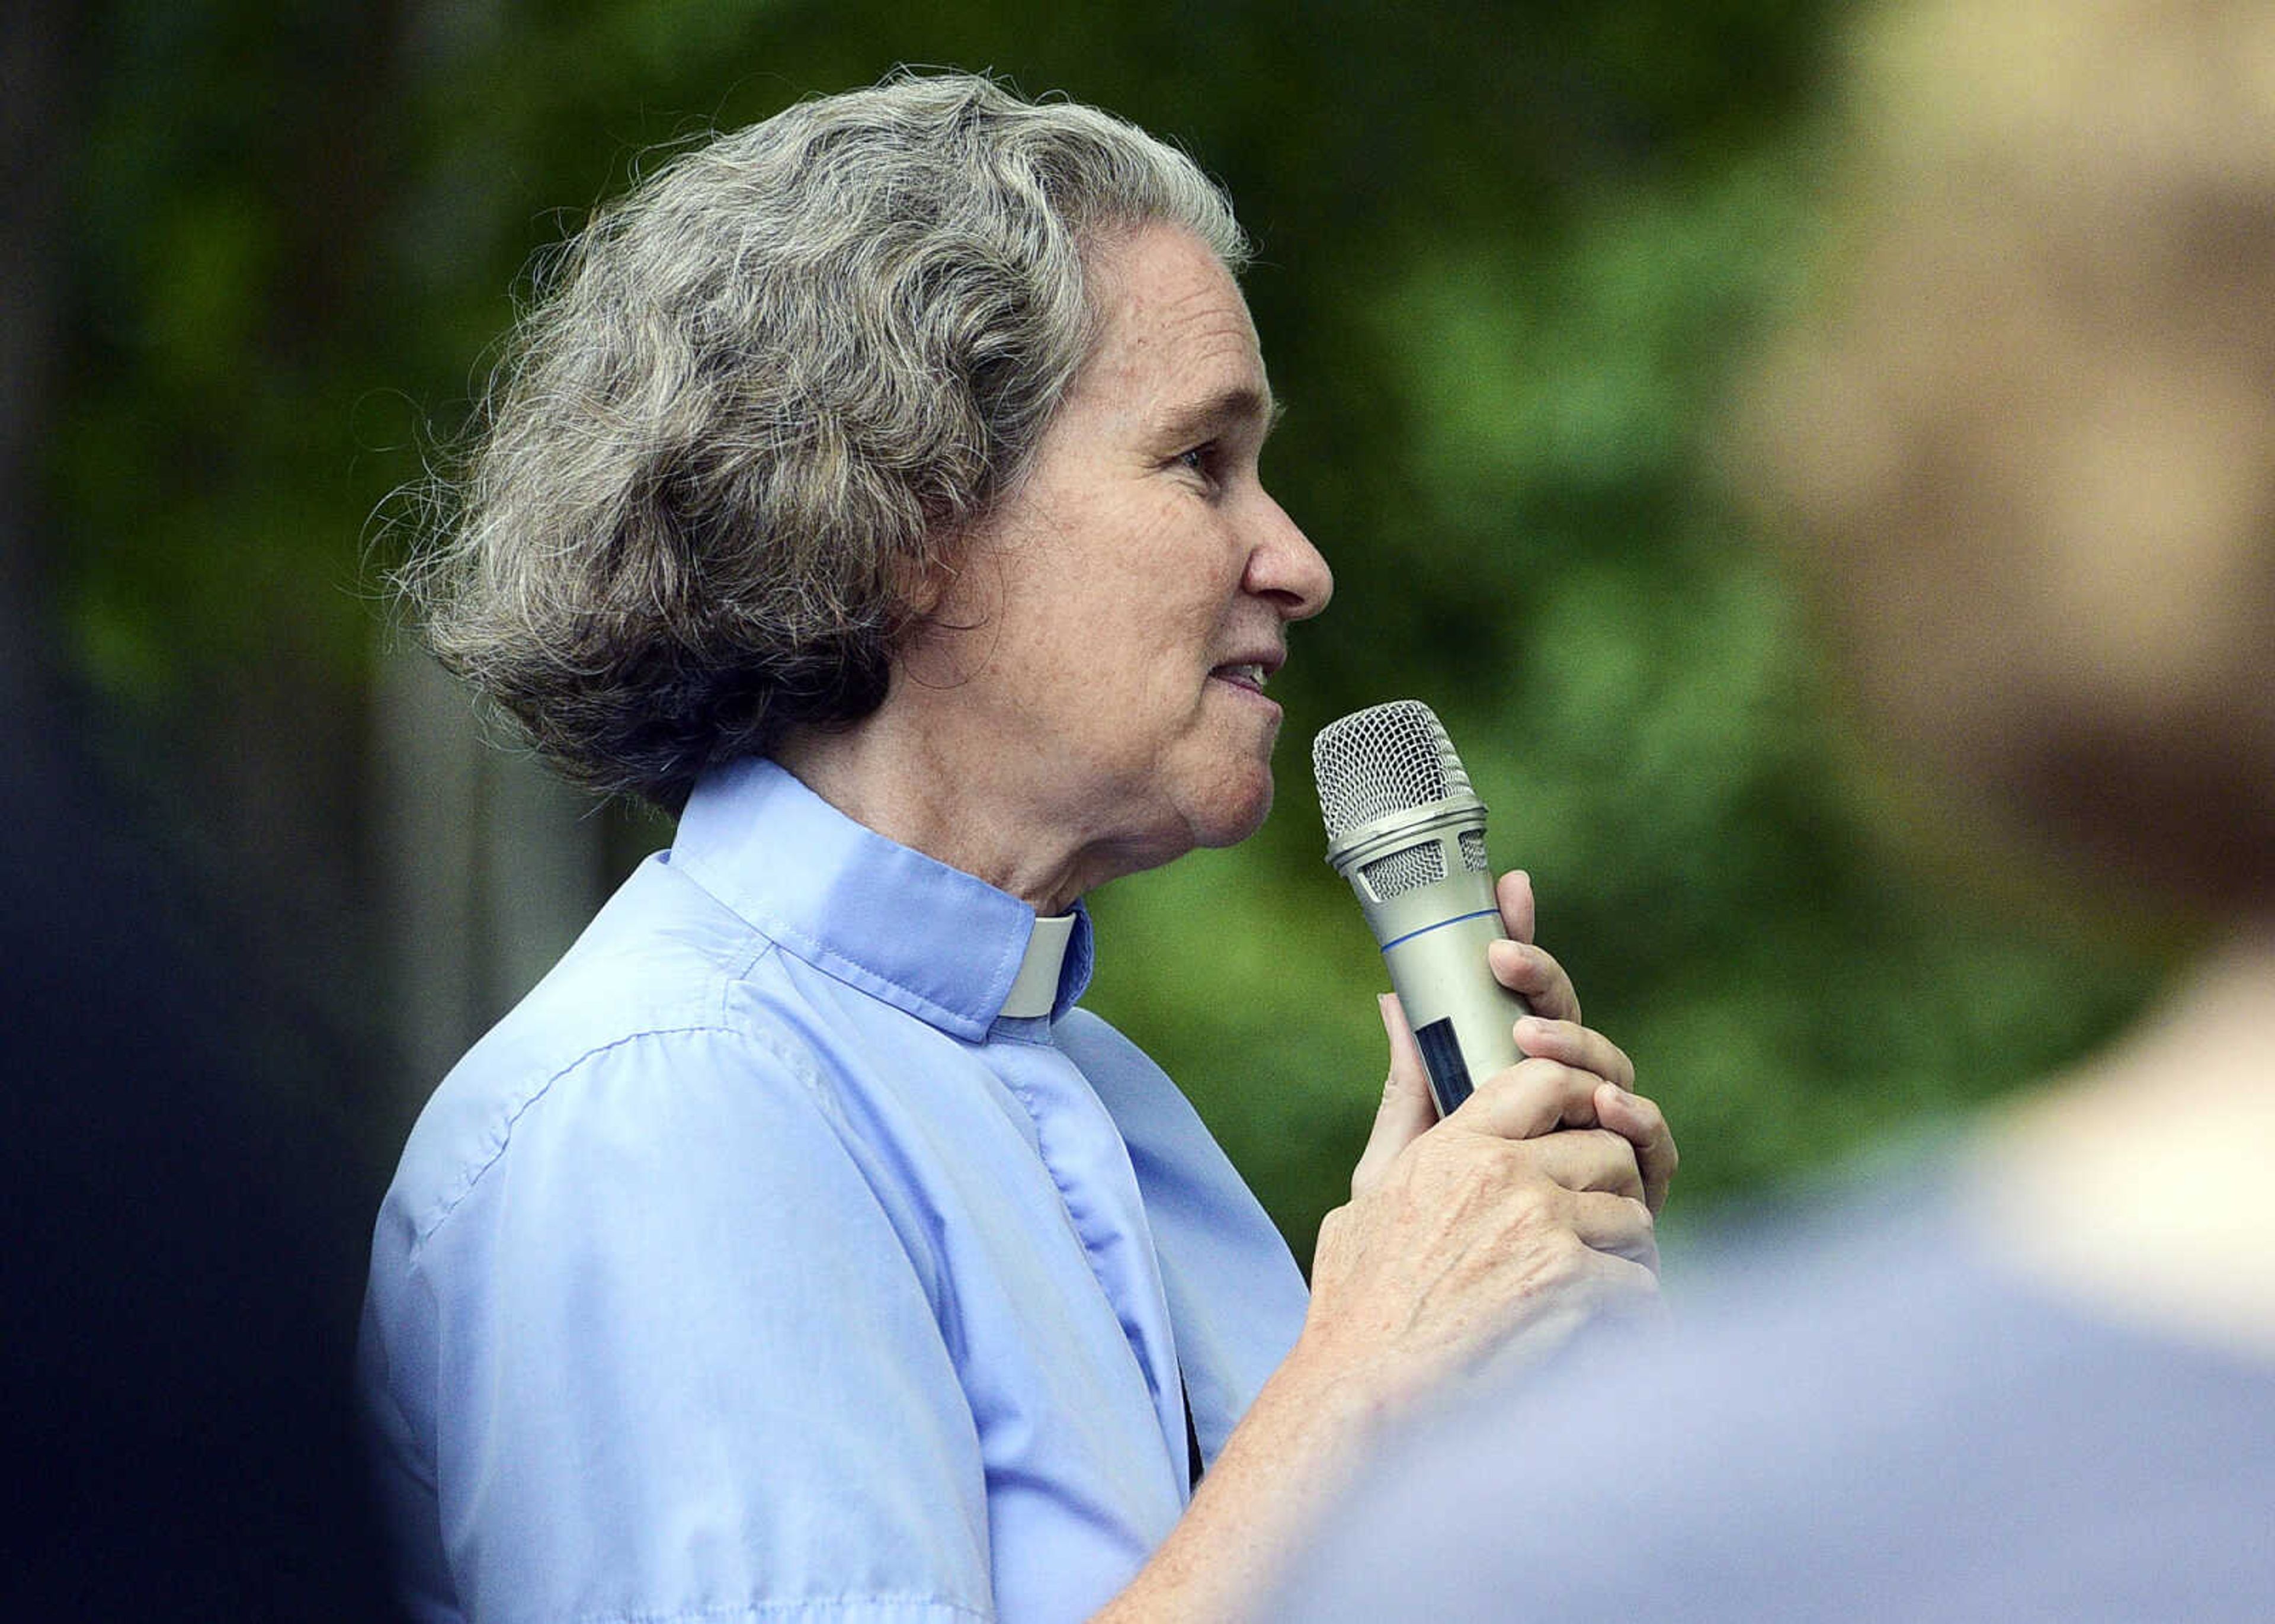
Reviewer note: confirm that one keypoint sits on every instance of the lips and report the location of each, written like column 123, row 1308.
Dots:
column 1254, row 669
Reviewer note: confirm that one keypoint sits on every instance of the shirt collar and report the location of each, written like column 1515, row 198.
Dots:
column 900, row 925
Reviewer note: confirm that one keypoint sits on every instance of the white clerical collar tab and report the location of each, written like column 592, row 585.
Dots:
column 1037, row 986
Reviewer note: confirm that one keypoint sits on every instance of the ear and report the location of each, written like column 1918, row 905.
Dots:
column 943, row 600
column 923, row 578
column 949, row 589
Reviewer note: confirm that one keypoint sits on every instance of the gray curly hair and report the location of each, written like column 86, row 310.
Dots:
column 761, row 398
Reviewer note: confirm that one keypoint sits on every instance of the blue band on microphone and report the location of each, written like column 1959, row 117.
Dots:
column 1482, row 913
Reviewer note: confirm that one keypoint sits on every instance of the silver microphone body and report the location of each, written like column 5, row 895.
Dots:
column 1408, row 833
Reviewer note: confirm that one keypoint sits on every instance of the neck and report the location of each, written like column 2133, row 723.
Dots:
column 908, row 783
column 2142, row 1186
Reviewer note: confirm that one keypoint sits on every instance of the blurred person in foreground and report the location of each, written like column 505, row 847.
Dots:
column 2032, row 446
column 180, row 1222
column 878, row 488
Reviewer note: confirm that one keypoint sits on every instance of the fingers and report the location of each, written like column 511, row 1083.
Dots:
column 1537, row 978
column 1591, row 1160
column 1550, row 1112
column 1407, row 1108
column 1518, row 909
column 1573, row 1078
column 1616, row 1106
column 1644, row 1126
column 1529, row 1098
column 1576, row 1045
column 1616, row 1226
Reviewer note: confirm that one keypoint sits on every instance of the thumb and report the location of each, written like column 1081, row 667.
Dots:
column 1407, row 1109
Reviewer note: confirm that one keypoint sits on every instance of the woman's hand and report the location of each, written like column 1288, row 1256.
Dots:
column 1528, row 1210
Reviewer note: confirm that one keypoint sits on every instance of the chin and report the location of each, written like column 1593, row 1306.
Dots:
column 1237, row 812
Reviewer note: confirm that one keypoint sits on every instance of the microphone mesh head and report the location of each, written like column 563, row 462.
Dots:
column 1386, row 759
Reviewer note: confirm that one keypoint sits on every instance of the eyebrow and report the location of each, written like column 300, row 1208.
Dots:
column 1213, row 414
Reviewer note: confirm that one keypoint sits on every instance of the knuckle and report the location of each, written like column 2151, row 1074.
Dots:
column 1527, row 966
column 1611, row 1155
column 1632, row 1280
column 1640, row 1223
column 1568, row 1257
column 1537, row 1070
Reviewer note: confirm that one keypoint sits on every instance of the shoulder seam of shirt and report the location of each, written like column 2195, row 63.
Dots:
column 472, row 1175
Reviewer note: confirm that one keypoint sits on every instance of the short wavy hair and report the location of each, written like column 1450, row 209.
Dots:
column 755, row 404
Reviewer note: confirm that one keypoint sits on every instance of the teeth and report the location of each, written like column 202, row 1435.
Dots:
column 1252, row 675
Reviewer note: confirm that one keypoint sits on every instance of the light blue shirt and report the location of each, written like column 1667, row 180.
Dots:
column 757, row 1267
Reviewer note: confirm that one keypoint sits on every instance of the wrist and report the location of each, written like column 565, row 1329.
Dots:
column 1336, row 1392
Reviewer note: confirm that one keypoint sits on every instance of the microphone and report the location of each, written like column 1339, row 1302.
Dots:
column 1408, row 832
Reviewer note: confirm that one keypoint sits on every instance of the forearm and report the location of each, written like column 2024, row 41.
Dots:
column 1282, row 1466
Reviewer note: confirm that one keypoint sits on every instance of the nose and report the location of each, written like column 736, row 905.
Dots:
column 1284, row 567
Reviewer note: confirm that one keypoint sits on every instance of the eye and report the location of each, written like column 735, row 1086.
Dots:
column 1200, row 459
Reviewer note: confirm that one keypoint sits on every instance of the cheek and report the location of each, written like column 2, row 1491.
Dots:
column 1170, row 624
column 1139, row 593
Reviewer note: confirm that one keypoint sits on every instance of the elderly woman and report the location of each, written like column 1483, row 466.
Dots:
column 879, row 487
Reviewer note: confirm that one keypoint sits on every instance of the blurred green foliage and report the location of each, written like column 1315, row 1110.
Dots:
column 1511, row 258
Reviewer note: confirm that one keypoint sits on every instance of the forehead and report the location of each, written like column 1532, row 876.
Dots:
column 1177, row 337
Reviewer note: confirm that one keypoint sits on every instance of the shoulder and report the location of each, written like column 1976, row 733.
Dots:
column 666, row 1018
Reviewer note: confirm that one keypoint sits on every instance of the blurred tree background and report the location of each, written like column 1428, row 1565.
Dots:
column 1513, row 259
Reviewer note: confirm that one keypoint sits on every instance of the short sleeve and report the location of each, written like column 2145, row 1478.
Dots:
column 666, row 1356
